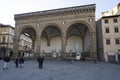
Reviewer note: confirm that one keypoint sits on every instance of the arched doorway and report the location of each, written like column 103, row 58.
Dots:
column 27, row 41
column 3, row 51
column 51, row 40
column 78, row 39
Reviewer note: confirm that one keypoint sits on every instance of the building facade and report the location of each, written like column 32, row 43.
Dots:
column 7, row 41
column 63, row 31
column 108, row 30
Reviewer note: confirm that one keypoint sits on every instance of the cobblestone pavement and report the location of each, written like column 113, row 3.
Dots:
column 61, row 70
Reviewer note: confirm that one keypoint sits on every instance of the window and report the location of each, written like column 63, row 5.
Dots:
column 4, row 29
column 3, row 39
column 107, row 30
column 106, row 21
column 117, row 41
column 115, row 20
column 107, row 41
column 116, row 29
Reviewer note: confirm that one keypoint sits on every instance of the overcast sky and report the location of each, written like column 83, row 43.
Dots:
column 10, row 7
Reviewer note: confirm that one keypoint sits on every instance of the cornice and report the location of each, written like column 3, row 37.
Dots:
column 57, row 12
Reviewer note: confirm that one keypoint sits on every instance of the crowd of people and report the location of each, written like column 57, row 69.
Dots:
column 19, row 61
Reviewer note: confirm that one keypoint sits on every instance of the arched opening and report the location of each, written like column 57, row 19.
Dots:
column 78, row 39
column 27, row 42
column 51, row 40
column 3, row 51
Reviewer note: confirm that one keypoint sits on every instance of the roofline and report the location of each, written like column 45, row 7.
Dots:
column 63, row 11
column 110, row 16
column 6, row 26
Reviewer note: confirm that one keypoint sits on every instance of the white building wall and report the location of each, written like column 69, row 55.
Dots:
column 72, row 42
column 55, row 44
column 111, row 35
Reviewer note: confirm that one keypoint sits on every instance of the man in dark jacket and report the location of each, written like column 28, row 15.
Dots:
column 40, row 61
column 6, row 60
column 17, row 61
column 21, row 62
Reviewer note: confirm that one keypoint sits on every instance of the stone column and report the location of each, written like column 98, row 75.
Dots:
column 93, row 46
column 38, row 45
column 82, row 45
column 33, row 45
column 63, row 45
column 16, row 46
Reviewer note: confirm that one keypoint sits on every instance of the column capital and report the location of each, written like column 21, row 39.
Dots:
column 93, row 33
column 38, row 37
column 16, row 39
column 63, row 35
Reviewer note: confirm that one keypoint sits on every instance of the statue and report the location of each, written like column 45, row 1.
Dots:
column 54, row 54
column 59, row 55
column 78, row 54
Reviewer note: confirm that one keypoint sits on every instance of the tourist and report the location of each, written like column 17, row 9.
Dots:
column 16, row 61
column 40, row 61
column 21, row 62
column 6, row 60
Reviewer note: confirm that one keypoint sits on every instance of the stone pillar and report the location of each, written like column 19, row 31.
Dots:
column 33, row 46
column 93, row 46
column 82, row 45
column 16, row 46
column 63, row 45
column 38, row 45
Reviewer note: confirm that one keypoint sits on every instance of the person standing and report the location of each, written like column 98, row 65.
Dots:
column 21, row 62
column 16, row 62
column 6, row 60
column 40, row 61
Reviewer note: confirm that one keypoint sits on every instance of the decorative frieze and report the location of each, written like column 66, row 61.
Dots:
column 57, row 12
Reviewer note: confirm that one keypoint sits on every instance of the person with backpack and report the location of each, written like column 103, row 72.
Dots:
column 6, row 60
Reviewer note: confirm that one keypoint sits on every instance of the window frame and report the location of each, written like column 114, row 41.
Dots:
column 107, row 30
column 115, row 20
column 117, row 41
column 106, row 21
column 116, row 29
column 108, row 41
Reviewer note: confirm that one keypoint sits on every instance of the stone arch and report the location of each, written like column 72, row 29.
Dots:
column 81, row 22
column 51, row 34
column 49, row 24
column 54, row 27
column 30, row 32
column 21, row 28
column 78, row 30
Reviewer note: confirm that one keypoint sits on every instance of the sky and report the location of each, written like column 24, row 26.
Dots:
column 8, row 8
